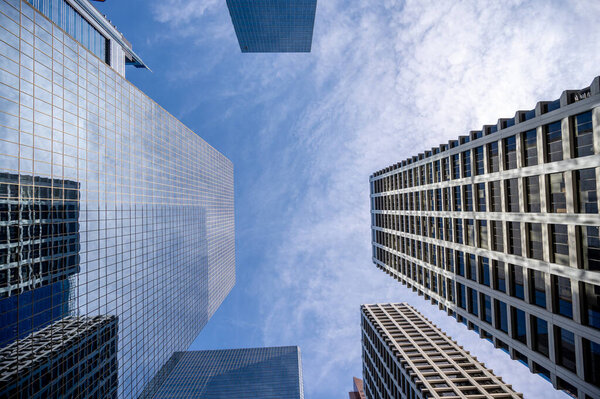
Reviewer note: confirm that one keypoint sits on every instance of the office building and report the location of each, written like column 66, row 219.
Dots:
column 273, row 26
column 141, row 225
column 255, row 373
column 73, row 358
column 500, row 229
column 407, row 356
column 358, row 391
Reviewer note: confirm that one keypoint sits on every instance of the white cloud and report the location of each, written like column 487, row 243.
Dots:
column 387, row 81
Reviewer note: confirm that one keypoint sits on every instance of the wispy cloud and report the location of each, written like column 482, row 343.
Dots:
column 386, row 80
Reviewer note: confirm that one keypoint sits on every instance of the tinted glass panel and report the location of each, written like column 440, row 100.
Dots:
column 587, row 194
column 510, row 152
column 553, row 134
column 584, row 137
column 530, row 147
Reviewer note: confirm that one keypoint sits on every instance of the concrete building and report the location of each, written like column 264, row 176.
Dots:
column 273, row 26
column 406, row 356
column 252, row 373
column 500, row 229
column 151, row 239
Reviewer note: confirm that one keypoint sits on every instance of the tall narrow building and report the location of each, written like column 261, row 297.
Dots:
column 500, row 229
column 406, row 356
column 250, row 373
column 109, row 206
column 273, row 26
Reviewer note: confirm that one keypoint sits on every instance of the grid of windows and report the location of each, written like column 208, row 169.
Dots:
column 124, row 211
column 261, row 373
column 536, row 223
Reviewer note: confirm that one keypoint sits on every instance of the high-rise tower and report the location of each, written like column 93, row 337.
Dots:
column 407, row 356
column 500, row 229
column 110, row 207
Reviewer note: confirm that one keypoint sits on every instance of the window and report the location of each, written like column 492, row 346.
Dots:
column 468, row 198
column 532, row 190
column 501, row 316
column 479, row 170
column 514, row 238
column 438, row 199
column 455, row 167
column 474, row 306
column 519, row 325
column 591, row 305
column 565, row 340
column 493, row 157
column 448, row 229
column 512, row 195
column 499, row 276
column 486, row 309
column 590, row 247
column 483, row 234
column 495, row 197
column 459, row 231
column 558, row 201
column 446, row 193
column 480, row 197
column 462, row 296
column 438, row 174
column 484, row 271
column 584, row 137
column 470, row 232
column 472, row 267
column 517, row 286
column 560, row 244
column 497, row 236
column 460, row 263
column 457, row 202
column 553, row 134
column 530, row 147
column 445, row 169
column 536, row 248
column 466, row 158
column 540, row 335
column 562, row 296
column 591, row 361
column 510, row 152
column 440, row 228
column 537, row 286
column 587, row 196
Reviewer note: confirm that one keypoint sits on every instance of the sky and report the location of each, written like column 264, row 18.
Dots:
column 385, row 80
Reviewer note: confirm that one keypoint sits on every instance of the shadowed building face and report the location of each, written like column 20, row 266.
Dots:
column 275, row 26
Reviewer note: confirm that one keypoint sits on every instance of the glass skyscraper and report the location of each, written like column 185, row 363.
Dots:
column 273, row 26
column 254, row 373
column 500, row 229
column 110, row 209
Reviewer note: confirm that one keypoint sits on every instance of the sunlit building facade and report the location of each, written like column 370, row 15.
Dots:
column 250, row 373
column 500, row 229
column 109, row 206
column 406, row 356
column 273, row 26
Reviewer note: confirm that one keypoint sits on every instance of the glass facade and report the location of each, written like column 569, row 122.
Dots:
column 260, row 373
column 534, row 220
column 110, row 208
column 273, row 26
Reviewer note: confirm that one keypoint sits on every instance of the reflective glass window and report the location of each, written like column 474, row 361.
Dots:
column 553, row 136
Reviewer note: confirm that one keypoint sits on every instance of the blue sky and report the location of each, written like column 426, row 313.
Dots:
column 386, row 79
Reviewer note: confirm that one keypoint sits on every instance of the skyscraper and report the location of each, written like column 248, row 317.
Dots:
column 358, row 392
column 254, row 373
column 407, row 356
column 110, row 207
column 273, row 26
column 500, row 229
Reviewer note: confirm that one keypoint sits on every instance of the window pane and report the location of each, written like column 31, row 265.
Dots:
column 493, row 157
column 519, row 325
column 501, row 316
column 480, row 197
column 512, row 195
column 468, row 198
column 461, row 296
column 536, row 247
column 566, row 348
column 487, row 309
column 530, row 147
column 484, row 271
column 514, row 237
column 479, row 161
column 472, row 267
column 474, row 308
column 517, row 289
column 497, row 236
column 584, row 137
column 558, row 201
column 553, row 134
column 540, row 335
column 495, row 196
column 537, row 286
column 483, row 234
column 562, row 296
column 499, row 276
column 460, row 263
column 455, row 166
column 591, row 353
column 457, row 202
column 510, row 152
column 560, row 244
column 587, row 195
column 591, row 305
column 466, row 158
column 532, row 188
column 470, row 232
